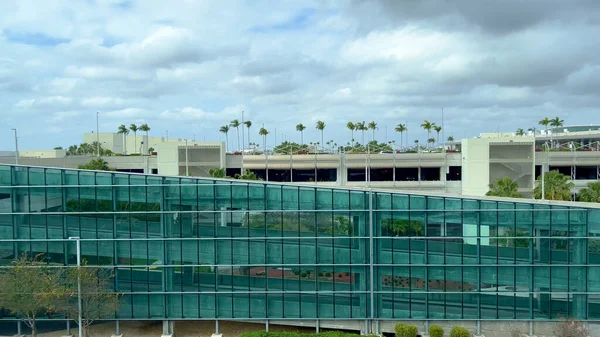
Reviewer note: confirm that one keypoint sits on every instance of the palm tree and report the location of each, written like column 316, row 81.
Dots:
column 351, row 127
column 532, row 130
column 557, row 186
column 225, row 130
column 144, row 127
column 264, row 132
column 590, row 193
column 361, row 126
column 545, row 122
column 124, row 131
column 431, row 141
column 450, row 138
column 437, row 129
column 301, row 127
column 248, row 125
column 135, row 129
column 401, row 128
column 427, row 125
column 321, row 126
column 372, row 126
column 555, row 123
column 504, row 187
column 520, row 132
column 236, row 124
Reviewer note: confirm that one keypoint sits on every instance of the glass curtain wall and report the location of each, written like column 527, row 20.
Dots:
column 186, row 248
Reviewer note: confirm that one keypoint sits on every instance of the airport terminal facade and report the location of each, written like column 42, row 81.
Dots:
column 204, row 249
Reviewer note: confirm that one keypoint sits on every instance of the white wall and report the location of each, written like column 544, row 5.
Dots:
column 43, row 153
column 475, row 166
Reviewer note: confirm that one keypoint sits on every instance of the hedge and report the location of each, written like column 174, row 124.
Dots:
column 404, row 330
column 459, row 331
column 436, row 331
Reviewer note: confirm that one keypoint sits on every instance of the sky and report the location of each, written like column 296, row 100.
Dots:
column 190, row 67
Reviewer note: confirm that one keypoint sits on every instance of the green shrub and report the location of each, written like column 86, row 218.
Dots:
column 459, row 331
column 297, row 334
column 404, row 330
column 436, row 331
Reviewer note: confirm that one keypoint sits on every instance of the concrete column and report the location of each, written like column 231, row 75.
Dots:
column 168, row 329
column 217, row 333
column 117, row 330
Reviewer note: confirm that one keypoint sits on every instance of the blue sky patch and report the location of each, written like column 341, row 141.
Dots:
column 300, row 21
column 33, row 39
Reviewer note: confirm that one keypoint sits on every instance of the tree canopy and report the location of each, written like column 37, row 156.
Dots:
column 96, row 165
column 590, row 193
column 504, row 187
column 557, row 186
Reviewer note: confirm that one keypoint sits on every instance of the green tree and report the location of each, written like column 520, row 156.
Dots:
column 96, row 165
column 437, row 129
column 431, row 141
column 545, row 122
column 58, row 148
column 27, row 290
column 427, row 126
column 351, row 126
column 290, row 148
column 300, row 127
column 557, row 186
column 134, row 128
column 450, row 138
column 98, row 299
column 520, row 132
column 248, row 125
column 401, row 128
column 247, row 175
column 144, row 127
column 590, row 193
column 372, row 126
column 225, row 129
column 321, row 127
column 504, row 187
column 150, row 150
column 264, row 132
column 124, row 131
column 236, row 124
column 217, row 173
column 361, row 126
column 556, row 122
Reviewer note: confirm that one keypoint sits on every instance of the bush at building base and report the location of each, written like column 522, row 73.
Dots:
column 436, row 331
column 459, row 331
column 405, row 330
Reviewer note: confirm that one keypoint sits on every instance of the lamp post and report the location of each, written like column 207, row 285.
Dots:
column 97, row 136
column 16, row 147
column 79, row 306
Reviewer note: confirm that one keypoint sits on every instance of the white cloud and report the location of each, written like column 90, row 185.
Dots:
column 197, row 114
column 125, row 113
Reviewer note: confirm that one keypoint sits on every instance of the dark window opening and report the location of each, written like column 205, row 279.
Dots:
column 454, row 173
column 231, row 172
column 309, row 175
column 131, row 170
column 155, row 171
column 407, row 174
column 585, row 172
column 356, row 174
column 430, row 174
column 538, row 171
column 260, row 174
column 566, row 170
column 382, row 174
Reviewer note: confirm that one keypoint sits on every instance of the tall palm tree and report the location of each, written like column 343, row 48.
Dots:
column 351, row 127
column 301, row 127
column 557, row 186
column 372, row 126
column 361, row 126
column 248, row 125
column 144, row 127
column 134, row 128
column 264, row 132
column 545, row 122
column 427, row 125
column 431, row 141
column 236, row 124
column 555, row 123
column 401, row 128
column 450, row 138
column 321, row 126
column 225, row 130
column 437, row 129
column 504, row 187
column 124, row 131
column 520, row 132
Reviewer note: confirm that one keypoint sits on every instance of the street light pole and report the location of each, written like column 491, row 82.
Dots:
column 79, row 306
column 16, row 147
column 187, row 169
column 97, row 136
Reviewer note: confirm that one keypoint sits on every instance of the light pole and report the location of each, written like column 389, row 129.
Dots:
column 16, row 147
column 544, row 159
column 79, row 306
column 97, row 136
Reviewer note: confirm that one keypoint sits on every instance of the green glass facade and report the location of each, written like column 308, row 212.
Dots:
column 187, row 248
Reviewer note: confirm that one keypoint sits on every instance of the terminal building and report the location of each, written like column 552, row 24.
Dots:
column 465, row 167
column 188, row 248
